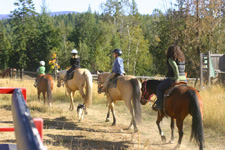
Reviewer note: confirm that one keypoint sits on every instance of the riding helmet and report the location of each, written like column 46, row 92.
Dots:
column 42, row 63
column 117, row 51
column 74, row 51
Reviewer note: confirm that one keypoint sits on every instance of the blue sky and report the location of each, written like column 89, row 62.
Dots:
column 144, row 6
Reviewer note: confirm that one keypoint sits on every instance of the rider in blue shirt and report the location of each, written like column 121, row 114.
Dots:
column 118, row 68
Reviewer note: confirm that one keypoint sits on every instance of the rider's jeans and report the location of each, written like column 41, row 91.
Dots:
column 162, row 87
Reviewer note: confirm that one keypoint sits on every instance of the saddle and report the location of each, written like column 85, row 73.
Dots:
column 113, row 82
column 70, row 75
column 170, row 90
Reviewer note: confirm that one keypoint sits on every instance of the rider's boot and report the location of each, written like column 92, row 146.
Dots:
column 158, row 106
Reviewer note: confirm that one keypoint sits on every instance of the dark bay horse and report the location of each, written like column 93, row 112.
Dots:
column 45, row 84
column 127, row 89
column 182, row 101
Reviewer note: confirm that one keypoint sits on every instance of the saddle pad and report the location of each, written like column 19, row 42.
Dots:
column 170, row 90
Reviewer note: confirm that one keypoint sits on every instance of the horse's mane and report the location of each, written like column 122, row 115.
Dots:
column 152, row 84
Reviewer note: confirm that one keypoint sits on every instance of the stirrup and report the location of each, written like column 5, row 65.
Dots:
column 157, row 107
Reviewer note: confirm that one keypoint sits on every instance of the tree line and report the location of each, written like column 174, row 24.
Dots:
column 28, row 37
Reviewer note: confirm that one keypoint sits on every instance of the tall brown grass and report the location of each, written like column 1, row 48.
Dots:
column 214, row 107
column 213, row 101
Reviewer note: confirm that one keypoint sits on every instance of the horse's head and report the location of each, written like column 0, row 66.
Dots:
column 60, row 77
column 146, row 93
column 101, row 79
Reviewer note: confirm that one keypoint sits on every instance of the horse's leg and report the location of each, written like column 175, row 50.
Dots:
column 133, row 122
column 179, row 123
column 44, row 97
column 172, row 131
column 159, row 119
column 39, row 96
column 111, row 105
column 71, row 100
column 107, row 117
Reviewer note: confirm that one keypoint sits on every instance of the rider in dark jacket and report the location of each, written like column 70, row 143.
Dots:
column 74, row 62
column 175, row 74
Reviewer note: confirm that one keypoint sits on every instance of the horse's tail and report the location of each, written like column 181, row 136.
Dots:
column 136, row 99
column 197, row 125
column 89, row 85
column 49, row 90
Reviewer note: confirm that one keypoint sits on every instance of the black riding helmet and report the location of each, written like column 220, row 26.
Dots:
column 117, row 51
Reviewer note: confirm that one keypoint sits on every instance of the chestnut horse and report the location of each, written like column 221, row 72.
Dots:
column 82, row 78
column 45, row 84
column 182, row 101
column 128, row 90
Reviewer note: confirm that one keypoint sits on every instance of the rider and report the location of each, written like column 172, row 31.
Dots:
column 40, row 70
column 176, row 67
column 118, row 68
column 74, row 62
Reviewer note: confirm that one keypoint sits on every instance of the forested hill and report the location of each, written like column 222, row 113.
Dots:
column 7, row 16
column 28, row 37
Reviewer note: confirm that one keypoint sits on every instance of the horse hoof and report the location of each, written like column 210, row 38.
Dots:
column 121, row 130
column 171, row 141
column 177, row 147
column 135, row 130
column 113, row 124
column 163, row 138
column 107, row 120
column 86, row 113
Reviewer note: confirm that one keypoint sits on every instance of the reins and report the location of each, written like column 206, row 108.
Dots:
column 146, row 92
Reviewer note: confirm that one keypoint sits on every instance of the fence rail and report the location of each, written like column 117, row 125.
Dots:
column 21, row 74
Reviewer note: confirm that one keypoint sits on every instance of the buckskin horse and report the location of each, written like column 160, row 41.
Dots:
column 183, row 100
column 82, row 78
column 128, row 90
column 45, row 84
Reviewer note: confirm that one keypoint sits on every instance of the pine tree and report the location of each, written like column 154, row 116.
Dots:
column 24, row 28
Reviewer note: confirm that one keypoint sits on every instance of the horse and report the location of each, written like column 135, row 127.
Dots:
column 127, row 89
column 183, row 100
column 82, row 78
column 9, row 71
column 45, row 84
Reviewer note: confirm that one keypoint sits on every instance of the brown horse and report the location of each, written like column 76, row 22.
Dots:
column 45, row 84
column 128, row 90
column 9, row 71
column 182, row 101
column 82, row 78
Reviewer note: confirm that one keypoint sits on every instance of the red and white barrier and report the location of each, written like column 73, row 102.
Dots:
column 28, row 131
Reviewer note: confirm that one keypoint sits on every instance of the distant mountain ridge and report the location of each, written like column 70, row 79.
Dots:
column 6, row 16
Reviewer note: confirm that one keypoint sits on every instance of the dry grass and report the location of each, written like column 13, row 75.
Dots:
column 62, row 131
column 214, row 104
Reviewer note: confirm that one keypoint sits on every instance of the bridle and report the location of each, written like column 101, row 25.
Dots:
column 99, row 86
column 59, row 81
column 146, row 92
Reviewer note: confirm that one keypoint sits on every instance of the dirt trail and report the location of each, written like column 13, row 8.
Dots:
column 65, row 132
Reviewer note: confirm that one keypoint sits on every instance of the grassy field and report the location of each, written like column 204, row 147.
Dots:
column 63, row 131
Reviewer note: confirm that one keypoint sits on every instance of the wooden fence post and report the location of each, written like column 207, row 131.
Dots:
column 201, row 70
column 10, row 72
column 208, row 68
column 22, row 74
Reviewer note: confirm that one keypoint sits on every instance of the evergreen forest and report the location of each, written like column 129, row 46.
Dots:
column 27, row 37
